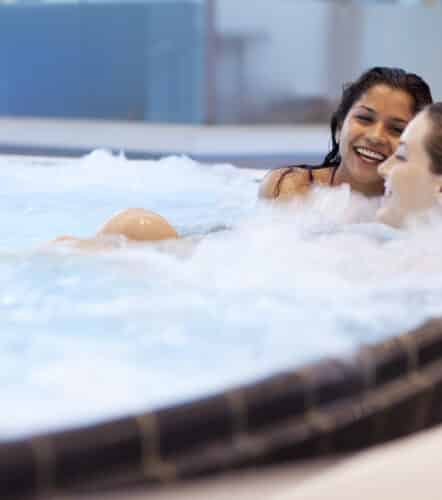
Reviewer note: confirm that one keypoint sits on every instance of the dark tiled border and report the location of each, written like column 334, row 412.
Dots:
column 383, row 392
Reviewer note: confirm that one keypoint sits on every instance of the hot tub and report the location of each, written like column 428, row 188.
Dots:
column 251, row 290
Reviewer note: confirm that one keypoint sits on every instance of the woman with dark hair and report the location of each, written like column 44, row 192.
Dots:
column 365, row 130
column 413, row 175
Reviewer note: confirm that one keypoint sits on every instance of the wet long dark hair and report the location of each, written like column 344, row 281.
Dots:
column 395, row 78
column 434, row 139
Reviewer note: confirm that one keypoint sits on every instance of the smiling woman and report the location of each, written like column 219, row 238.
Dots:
column 365, row 130
column 413, row 175
column 369, row 135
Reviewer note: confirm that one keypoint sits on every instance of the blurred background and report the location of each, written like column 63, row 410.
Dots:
column 152, row 77
column 205, row 61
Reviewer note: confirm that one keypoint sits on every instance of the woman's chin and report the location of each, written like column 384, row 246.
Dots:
column 366, row 172
column 390, row 216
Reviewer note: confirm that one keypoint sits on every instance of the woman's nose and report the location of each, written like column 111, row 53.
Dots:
column 377, row 134
column 385, row 167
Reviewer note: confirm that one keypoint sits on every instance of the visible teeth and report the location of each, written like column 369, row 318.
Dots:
column 370, row 154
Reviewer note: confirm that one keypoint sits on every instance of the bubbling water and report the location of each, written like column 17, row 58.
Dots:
column 251, row 289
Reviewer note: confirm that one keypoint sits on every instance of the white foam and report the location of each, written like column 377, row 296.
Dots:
column 86, row 337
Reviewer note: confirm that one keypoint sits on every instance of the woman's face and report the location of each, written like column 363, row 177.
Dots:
column 410, row 185
column 370, row 133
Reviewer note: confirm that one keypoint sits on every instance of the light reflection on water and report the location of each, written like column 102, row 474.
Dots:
column 90, row 336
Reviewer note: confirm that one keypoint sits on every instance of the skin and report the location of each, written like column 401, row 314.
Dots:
column 375, row 123
column 138, row 224
column 411, row 186
column 135, row 224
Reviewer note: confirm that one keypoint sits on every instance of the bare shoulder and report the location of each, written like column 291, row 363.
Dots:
column 323, row 176
column 138, row 224
column 283, row 183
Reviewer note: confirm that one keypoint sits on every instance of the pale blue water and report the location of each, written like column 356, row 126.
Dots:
column 91, row 336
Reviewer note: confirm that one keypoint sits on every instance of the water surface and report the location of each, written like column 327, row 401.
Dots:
column 252, row 289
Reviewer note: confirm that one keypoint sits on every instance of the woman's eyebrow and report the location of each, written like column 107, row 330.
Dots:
column 367, row 108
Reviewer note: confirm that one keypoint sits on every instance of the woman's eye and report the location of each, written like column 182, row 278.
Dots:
column 364, row 119
column 397, row 130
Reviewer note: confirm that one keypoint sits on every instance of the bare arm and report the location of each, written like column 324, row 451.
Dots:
column 134, row 224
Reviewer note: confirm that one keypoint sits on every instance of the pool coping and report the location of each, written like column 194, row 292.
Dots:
column 337, row 405
column 256, row 146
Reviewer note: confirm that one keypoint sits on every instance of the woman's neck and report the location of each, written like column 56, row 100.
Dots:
column 342, row 176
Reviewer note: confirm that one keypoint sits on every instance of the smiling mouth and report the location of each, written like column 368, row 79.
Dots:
column 369, row 156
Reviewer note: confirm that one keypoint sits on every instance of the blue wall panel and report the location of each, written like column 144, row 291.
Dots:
column 115, row 61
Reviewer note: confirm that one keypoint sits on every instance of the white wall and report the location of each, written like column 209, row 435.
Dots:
column 290, row 58
column 408, row 37
column 312, row 47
